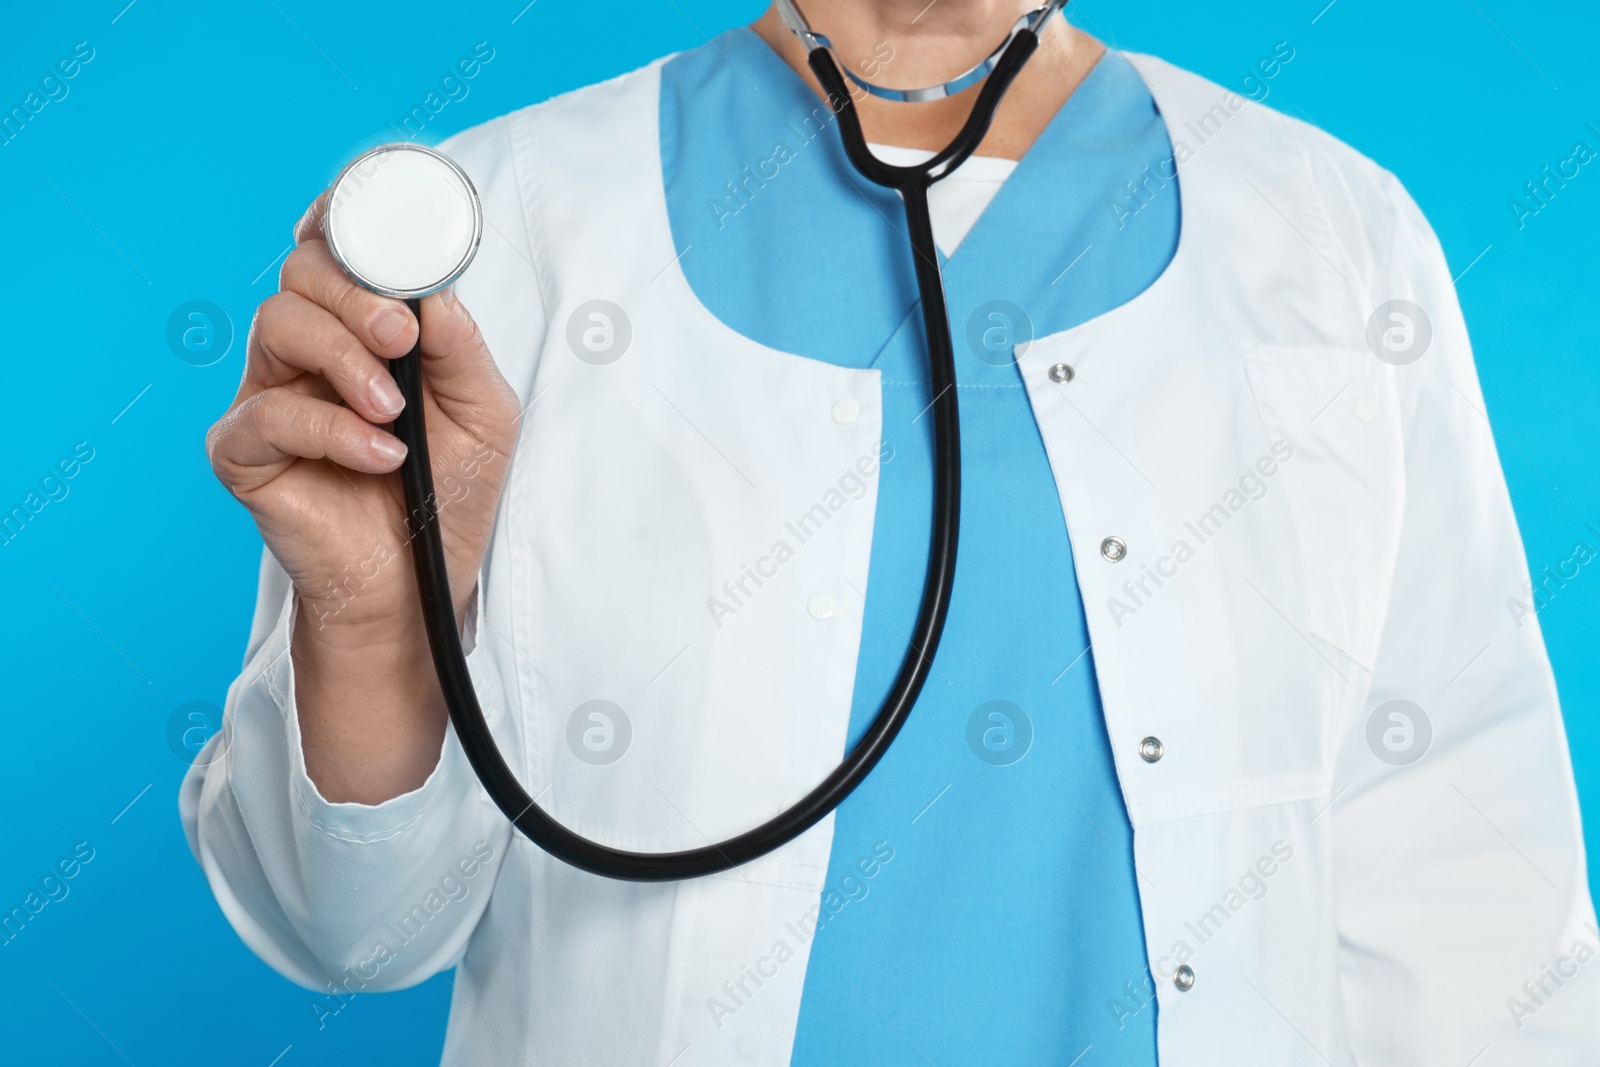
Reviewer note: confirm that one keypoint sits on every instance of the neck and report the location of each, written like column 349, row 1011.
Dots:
column 929, row 42
column 912, row 43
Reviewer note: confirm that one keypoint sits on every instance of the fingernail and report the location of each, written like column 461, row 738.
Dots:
column 447, row 296
column 384, row 395
column 387, row 448
column 386, row 325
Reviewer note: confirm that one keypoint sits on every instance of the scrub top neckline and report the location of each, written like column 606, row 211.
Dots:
column 1152, row 296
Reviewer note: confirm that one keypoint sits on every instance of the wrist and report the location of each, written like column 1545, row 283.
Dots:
column 370, row 711
column 368, row 643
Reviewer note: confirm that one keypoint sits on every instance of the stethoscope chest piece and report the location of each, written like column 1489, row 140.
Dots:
column 403, row 220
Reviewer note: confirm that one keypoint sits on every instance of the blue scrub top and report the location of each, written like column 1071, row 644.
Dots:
column 981, row 902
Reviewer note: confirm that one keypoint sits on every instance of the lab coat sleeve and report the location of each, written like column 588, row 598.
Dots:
column 342, row 898
column 1460, row 878
column 352, row 897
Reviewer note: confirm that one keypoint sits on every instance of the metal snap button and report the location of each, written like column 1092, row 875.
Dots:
column 1061, row 372
column 1151, row 749
column 1114, row 549
column 1183, row 978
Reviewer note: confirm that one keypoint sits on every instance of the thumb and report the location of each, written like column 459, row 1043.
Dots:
column 457, row 364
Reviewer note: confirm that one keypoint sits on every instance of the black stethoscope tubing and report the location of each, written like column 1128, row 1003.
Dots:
column 433, row 581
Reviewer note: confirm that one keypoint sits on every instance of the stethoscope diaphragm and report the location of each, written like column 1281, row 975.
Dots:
column 403, row 220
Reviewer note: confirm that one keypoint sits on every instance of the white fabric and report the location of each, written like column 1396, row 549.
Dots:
column 1335, row 909
column 956, row 201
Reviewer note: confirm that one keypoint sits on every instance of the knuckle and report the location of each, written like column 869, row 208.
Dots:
column 460, row 318
column 215, row 437
column 254, row 416
column 309, row 225
column 460, row 334
column 268, row 330
column 349, row 358
column 344, row 299
column 270, row 312
column 222, row 442
column 314, row 276
column 346, row 360
column 295, row 269
column 339, row 430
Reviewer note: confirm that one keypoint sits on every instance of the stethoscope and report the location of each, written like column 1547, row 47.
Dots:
column 443, row 225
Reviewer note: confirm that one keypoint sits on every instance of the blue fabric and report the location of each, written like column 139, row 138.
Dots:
column 982, row 905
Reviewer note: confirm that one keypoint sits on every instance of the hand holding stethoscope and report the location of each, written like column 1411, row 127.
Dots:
column 307, row 445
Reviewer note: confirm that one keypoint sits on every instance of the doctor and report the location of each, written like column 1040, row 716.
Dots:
column 1232, row 753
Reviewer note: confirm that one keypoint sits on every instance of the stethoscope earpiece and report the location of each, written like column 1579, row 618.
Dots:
column 403, row 220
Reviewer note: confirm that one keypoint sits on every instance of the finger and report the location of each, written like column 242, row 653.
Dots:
column 309, row 228
column 258, row 438
column 385, row 326
column 293, row 336
column 456, row 360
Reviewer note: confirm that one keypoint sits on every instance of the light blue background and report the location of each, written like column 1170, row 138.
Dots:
column 174, row 169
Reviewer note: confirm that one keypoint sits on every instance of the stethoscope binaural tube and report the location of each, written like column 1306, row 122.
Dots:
column 433, row 580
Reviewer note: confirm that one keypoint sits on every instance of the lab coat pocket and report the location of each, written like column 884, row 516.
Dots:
column 1336, row 409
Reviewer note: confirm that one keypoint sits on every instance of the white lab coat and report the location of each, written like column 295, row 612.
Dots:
column 1333, row 908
